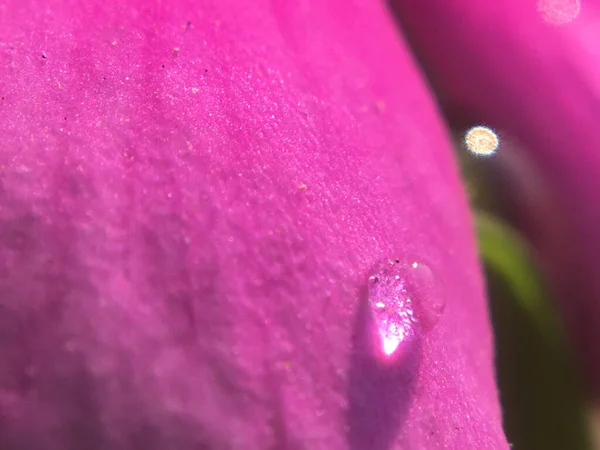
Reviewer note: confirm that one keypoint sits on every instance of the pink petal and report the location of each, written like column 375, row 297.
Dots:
column 191, row 199
column 503, row 63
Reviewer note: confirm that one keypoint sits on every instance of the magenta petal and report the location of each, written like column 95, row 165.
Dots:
column 191, row 199
column 502, row 62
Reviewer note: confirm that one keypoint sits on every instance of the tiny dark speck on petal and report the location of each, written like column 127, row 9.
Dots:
column 44, row 55
column 206, row 70
column 162, row 65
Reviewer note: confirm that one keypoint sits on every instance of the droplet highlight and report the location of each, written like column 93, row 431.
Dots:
column 559, row 12
column 406, row 301
column 482, row 141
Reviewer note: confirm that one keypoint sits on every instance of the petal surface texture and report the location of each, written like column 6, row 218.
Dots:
column 192, row 195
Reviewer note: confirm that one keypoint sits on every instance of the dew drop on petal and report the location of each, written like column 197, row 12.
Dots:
column 406, row 302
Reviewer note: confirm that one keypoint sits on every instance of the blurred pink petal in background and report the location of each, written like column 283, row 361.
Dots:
column 532, row 69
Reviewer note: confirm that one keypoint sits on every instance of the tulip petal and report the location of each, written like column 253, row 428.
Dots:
column 191, row 199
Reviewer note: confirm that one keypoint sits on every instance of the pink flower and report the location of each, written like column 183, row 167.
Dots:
column 191, row 200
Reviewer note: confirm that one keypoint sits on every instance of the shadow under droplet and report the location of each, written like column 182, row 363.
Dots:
column 379, row 389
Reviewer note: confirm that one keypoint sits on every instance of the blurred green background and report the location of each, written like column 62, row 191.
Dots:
column 542, row 397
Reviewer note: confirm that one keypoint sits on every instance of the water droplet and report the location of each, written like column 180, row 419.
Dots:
column 406, row 301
